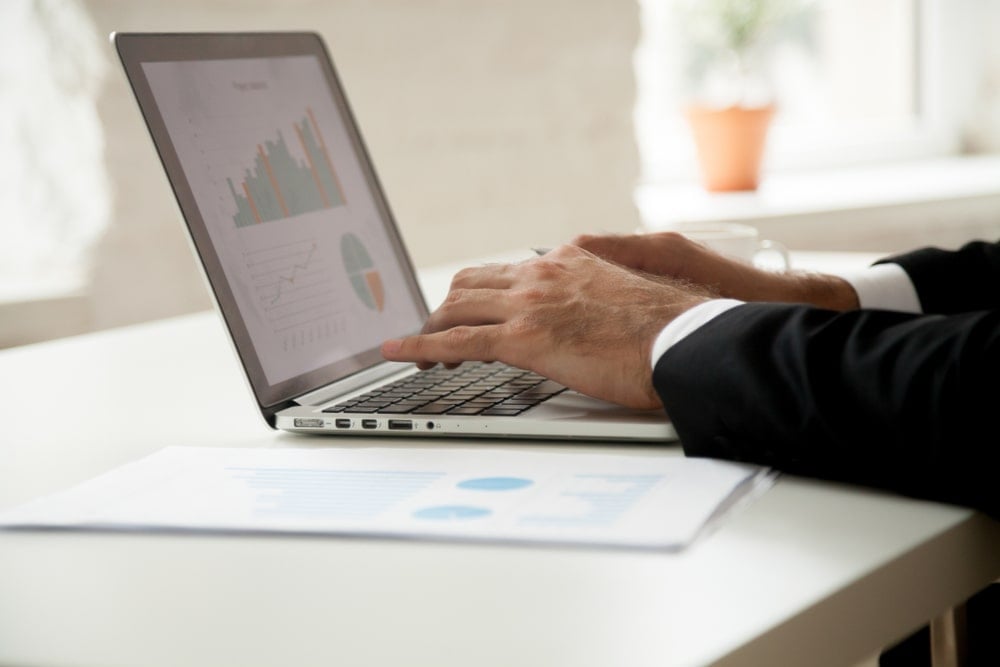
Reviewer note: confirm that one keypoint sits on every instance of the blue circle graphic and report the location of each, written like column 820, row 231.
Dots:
column 495, row 483
column 448, row 512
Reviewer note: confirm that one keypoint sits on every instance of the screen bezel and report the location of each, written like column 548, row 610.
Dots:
column 134, row 49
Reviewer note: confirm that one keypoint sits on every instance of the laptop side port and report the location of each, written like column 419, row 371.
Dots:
column 369, row 423
column 400, row 425
column 343, row 423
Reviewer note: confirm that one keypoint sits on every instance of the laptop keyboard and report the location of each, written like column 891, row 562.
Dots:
column 471, row 389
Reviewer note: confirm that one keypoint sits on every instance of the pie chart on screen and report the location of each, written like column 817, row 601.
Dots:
column 361, row 270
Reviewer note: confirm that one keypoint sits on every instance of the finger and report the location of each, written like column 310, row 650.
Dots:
column 470, row 307
column 427, row 365
column 621, row 249
column 448, row 347
column 488, row 276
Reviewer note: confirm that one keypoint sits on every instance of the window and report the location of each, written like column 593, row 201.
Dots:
column 53, row 183
column 854, row 81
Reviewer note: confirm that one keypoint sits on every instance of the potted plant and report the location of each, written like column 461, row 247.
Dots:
column 732, row 102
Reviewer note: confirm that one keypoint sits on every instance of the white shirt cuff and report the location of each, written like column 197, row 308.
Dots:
column 884, row 287
column 687, row 322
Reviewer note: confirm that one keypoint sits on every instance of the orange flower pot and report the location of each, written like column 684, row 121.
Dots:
column 730, row 144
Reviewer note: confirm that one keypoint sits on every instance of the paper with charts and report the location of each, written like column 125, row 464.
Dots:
column 628, row 500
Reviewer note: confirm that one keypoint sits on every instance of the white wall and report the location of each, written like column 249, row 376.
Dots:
column 493, row 126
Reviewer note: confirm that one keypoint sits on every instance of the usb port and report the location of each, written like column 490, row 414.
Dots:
column 343, row 423
column 369, row 423
column 400, row 425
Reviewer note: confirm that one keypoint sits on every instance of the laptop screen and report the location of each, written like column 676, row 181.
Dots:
column 282, row 203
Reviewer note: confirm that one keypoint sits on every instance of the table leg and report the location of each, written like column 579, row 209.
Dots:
column 948, row 638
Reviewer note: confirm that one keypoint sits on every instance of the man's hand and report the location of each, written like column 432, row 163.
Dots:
column 570, row 316
column 673, row 255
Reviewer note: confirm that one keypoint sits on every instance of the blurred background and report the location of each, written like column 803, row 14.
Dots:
column 502, row 125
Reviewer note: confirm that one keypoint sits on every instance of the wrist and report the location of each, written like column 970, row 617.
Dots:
column 832, row 292
column 817, row 289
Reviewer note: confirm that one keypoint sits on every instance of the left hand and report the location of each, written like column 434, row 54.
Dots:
column 672, row 255
column 569, row 315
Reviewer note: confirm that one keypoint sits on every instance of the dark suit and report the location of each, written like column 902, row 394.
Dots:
column 909, row 403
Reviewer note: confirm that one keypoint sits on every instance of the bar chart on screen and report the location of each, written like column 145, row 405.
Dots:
column 280, row 185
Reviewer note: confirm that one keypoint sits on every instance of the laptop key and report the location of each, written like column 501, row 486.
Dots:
column 518, row 405
column 434, row 408
column 400, row 409
column 547, row 387
column 465, row 410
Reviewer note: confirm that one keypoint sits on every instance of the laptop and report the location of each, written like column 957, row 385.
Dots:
column 304, row 259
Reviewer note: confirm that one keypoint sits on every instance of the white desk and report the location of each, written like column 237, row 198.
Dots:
column 811, row 573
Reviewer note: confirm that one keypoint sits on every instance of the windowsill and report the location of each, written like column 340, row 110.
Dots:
column 42, row 309
column 813, row 193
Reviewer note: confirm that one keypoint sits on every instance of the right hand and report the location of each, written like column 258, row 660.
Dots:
column 570, row 316
column 673, row 255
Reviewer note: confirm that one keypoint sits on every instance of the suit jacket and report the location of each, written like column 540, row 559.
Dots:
column 909, row 403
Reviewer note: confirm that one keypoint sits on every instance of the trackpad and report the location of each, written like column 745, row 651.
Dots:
column 572, row 404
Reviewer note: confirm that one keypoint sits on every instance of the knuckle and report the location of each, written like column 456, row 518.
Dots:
column 459, row 337
column 415, row 345
column 548, row 268
column 534, row 295
column 455, row 296
column 566, row 250
column 462, row 277
column 569, row 254
column 521, row 327
column 470, row 342
column 673, row 237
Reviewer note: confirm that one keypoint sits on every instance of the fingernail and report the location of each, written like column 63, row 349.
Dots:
column 391, row 347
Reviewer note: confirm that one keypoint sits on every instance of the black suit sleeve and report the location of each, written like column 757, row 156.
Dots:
column 955, row 281
column 904, row 402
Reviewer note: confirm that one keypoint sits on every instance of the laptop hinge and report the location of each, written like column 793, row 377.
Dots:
column 351, row 383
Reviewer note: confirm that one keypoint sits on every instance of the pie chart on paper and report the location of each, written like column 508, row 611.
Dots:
column 361, row 270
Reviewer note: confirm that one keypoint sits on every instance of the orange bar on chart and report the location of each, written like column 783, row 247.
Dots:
column 326, row 155
column 312, row 167
column 253, row 205
column 274, row 181
column 374, row 281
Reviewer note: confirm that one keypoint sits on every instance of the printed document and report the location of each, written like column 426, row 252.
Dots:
column 510, row 495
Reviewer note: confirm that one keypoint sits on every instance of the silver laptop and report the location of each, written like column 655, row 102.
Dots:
column 303, row 256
